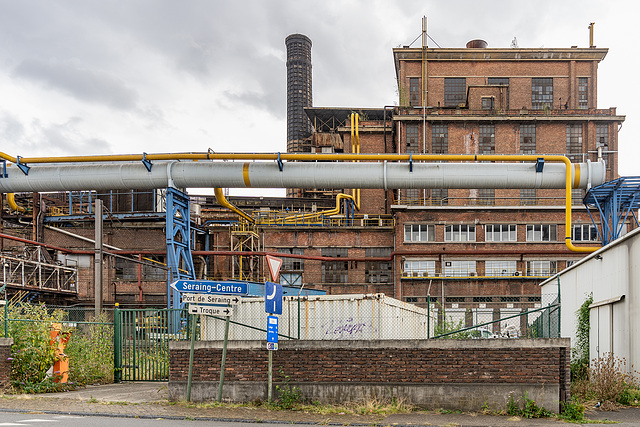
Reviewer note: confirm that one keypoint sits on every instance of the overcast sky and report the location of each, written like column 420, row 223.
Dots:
column 103, row 77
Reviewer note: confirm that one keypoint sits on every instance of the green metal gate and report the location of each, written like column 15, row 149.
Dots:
column 141, row 342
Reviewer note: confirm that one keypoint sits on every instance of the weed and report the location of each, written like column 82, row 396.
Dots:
column 572, row 411
column 530, row 408
column 609, row 378
column 289, row 396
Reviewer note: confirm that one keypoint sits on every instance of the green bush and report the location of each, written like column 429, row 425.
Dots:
column 90, row 352
column 572, row 411
column 31, row 351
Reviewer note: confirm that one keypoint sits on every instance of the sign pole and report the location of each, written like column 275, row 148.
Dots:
column 224, row 358
column 270, row 377
column 193, row 340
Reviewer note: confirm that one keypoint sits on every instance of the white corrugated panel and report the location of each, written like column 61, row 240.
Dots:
column 326, row 317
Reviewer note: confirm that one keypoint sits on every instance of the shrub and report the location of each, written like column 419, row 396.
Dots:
column 90, row 352
column 32, row 351
column 609, row 378
column 572, row 411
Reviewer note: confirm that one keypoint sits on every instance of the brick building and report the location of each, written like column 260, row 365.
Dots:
column 465, row 248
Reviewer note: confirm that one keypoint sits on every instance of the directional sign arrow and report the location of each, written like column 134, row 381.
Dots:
column 211, row 299
column 211, row 287
column 210, row 310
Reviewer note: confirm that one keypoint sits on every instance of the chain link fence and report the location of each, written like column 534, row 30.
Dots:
column 376, row 317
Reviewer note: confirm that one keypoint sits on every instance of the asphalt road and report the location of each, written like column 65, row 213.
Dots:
column 40, row 420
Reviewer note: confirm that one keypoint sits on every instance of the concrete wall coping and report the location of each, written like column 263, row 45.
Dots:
column 434, row 344
column 6, row 342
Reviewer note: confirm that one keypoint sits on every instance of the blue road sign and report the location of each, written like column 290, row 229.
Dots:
column 210, row 287
column 273, row 298
column 272, row 329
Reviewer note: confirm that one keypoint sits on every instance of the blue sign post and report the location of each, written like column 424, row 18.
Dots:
column 273, row 298
column 272, row 332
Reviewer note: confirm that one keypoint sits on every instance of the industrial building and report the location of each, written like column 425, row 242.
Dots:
column 465, row 248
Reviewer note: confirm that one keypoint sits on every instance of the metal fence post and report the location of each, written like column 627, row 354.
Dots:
column 117, row 344
column 428, row 316
column 559, row 308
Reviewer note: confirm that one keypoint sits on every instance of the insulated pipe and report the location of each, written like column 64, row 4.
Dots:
column 122, row 176
column 573, row 175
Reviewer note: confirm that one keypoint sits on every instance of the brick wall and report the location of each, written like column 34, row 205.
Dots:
column 5, row 364
column 540, row 367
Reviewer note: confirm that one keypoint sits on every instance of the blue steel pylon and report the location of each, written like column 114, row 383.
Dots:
column 178, row 235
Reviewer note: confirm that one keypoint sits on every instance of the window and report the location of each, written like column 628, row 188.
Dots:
column 419, row 233
column 488, row 103
column 128, row 270
column 527, row 139
column 460, row 268
column 413, row 139
column 378, row 271
column 584, row 233
column 541, row 233
column 487, row 143
column 500, row 233
column 541, row 93
column 487, row 196
column 528, row 197
column 500, row 267
column 583, row 93
column 455, row 89
column 292, row 264
column 414, row 91
column 419, row 268
column 440, row 139
column 439, row 197
column 335, row 271
column 541, row 268
column 460, row 233
column 574, row 143
column 411, row 299
column 576, row 197
column 502, row 81
column 602, row 136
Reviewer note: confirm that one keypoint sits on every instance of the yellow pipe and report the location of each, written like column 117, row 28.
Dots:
column 357, row 201
column 331, row 157
column 11, row 199
column 224, row 202
column 329, row 212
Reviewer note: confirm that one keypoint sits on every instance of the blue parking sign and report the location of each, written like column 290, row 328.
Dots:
column 273, row 298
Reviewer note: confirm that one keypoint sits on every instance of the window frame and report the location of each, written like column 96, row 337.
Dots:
column 429, row 232
column 541, row 93
column 452, row 230
column 512, row 231
column 552, row 232
column 455, row 91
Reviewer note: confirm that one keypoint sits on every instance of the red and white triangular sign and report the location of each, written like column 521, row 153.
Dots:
column 274, row 266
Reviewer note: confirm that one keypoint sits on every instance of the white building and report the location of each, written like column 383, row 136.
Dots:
column 612, row 275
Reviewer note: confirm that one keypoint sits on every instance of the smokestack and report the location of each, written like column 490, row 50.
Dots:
column 299, row 90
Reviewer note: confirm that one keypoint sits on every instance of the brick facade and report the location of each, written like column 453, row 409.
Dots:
column 5, row 363
column 460, row 363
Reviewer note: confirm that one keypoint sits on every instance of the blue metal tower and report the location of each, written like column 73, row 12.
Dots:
column 178, row 235
column 614, row 200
